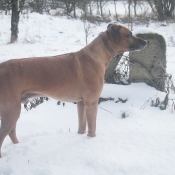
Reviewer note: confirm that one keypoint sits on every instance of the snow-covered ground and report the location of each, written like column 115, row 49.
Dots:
column 143, row 143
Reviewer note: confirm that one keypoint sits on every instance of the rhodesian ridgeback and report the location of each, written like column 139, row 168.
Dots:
column 73, row 77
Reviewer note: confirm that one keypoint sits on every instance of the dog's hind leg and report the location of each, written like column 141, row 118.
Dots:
column 9, row 117
column 12, row 135
column 81, row 117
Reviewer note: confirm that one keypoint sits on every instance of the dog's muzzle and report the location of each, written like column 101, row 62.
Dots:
column 139, row 45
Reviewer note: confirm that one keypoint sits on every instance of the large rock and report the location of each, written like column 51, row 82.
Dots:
column 149, row 65
column 110, row 71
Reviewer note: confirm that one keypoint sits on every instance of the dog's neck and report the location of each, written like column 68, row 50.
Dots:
column 113, row 54
column 97, row 50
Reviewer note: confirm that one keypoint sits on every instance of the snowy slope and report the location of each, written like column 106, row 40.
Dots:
column 143, row 143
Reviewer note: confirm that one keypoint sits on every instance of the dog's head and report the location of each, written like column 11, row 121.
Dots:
column 123, row 37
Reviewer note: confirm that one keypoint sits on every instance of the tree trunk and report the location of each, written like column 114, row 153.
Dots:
column 14, row 21
column 90, row 8
column 74, row 9
column 98, row 11
column 135, row 8
column 101, row 8
column 162, row 8
column 84, row 8
column 169, row 7
column 5, row 11
column 115, row 10
column 160, row 11
column 129, row 8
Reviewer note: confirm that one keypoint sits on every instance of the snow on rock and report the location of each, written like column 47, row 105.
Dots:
column 144, row 30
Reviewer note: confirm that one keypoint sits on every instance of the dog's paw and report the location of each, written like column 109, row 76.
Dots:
column 91, row 135
column 81, row 132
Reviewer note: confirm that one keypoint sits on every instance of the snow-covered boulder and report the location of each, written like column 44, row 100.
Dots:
column 149, row 65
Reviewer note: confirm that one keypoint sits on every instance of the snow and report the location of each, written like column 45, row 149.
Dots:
column 144, row 30
column 142, row 143
column 122, row 8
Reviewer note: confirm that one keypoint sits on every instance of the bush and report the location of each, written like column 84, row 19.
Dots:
column 95, row 19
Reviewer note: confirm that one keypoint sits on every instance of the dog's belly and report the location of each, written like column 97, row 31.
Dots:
column 66, row 98
column 61, row 97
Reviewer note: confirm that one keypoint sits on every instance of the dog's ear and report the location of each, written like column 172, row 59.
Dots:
column 113, row 30
column 109, row 26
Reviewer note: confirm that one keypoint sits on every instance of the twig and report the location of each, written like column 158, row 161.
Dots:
column 105, row 109
column 173, row 106
column 145, row 74
column 169, row 77
column 127, row 57
column 144, row 105
column 162, row 65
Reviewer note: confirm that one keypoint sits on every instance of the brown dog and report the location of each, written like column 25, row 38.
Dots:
column 73, row 77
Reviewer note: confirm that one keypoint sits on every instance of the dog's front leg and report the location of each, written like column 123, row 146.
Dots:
column 81, row 117
column 91, row 113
